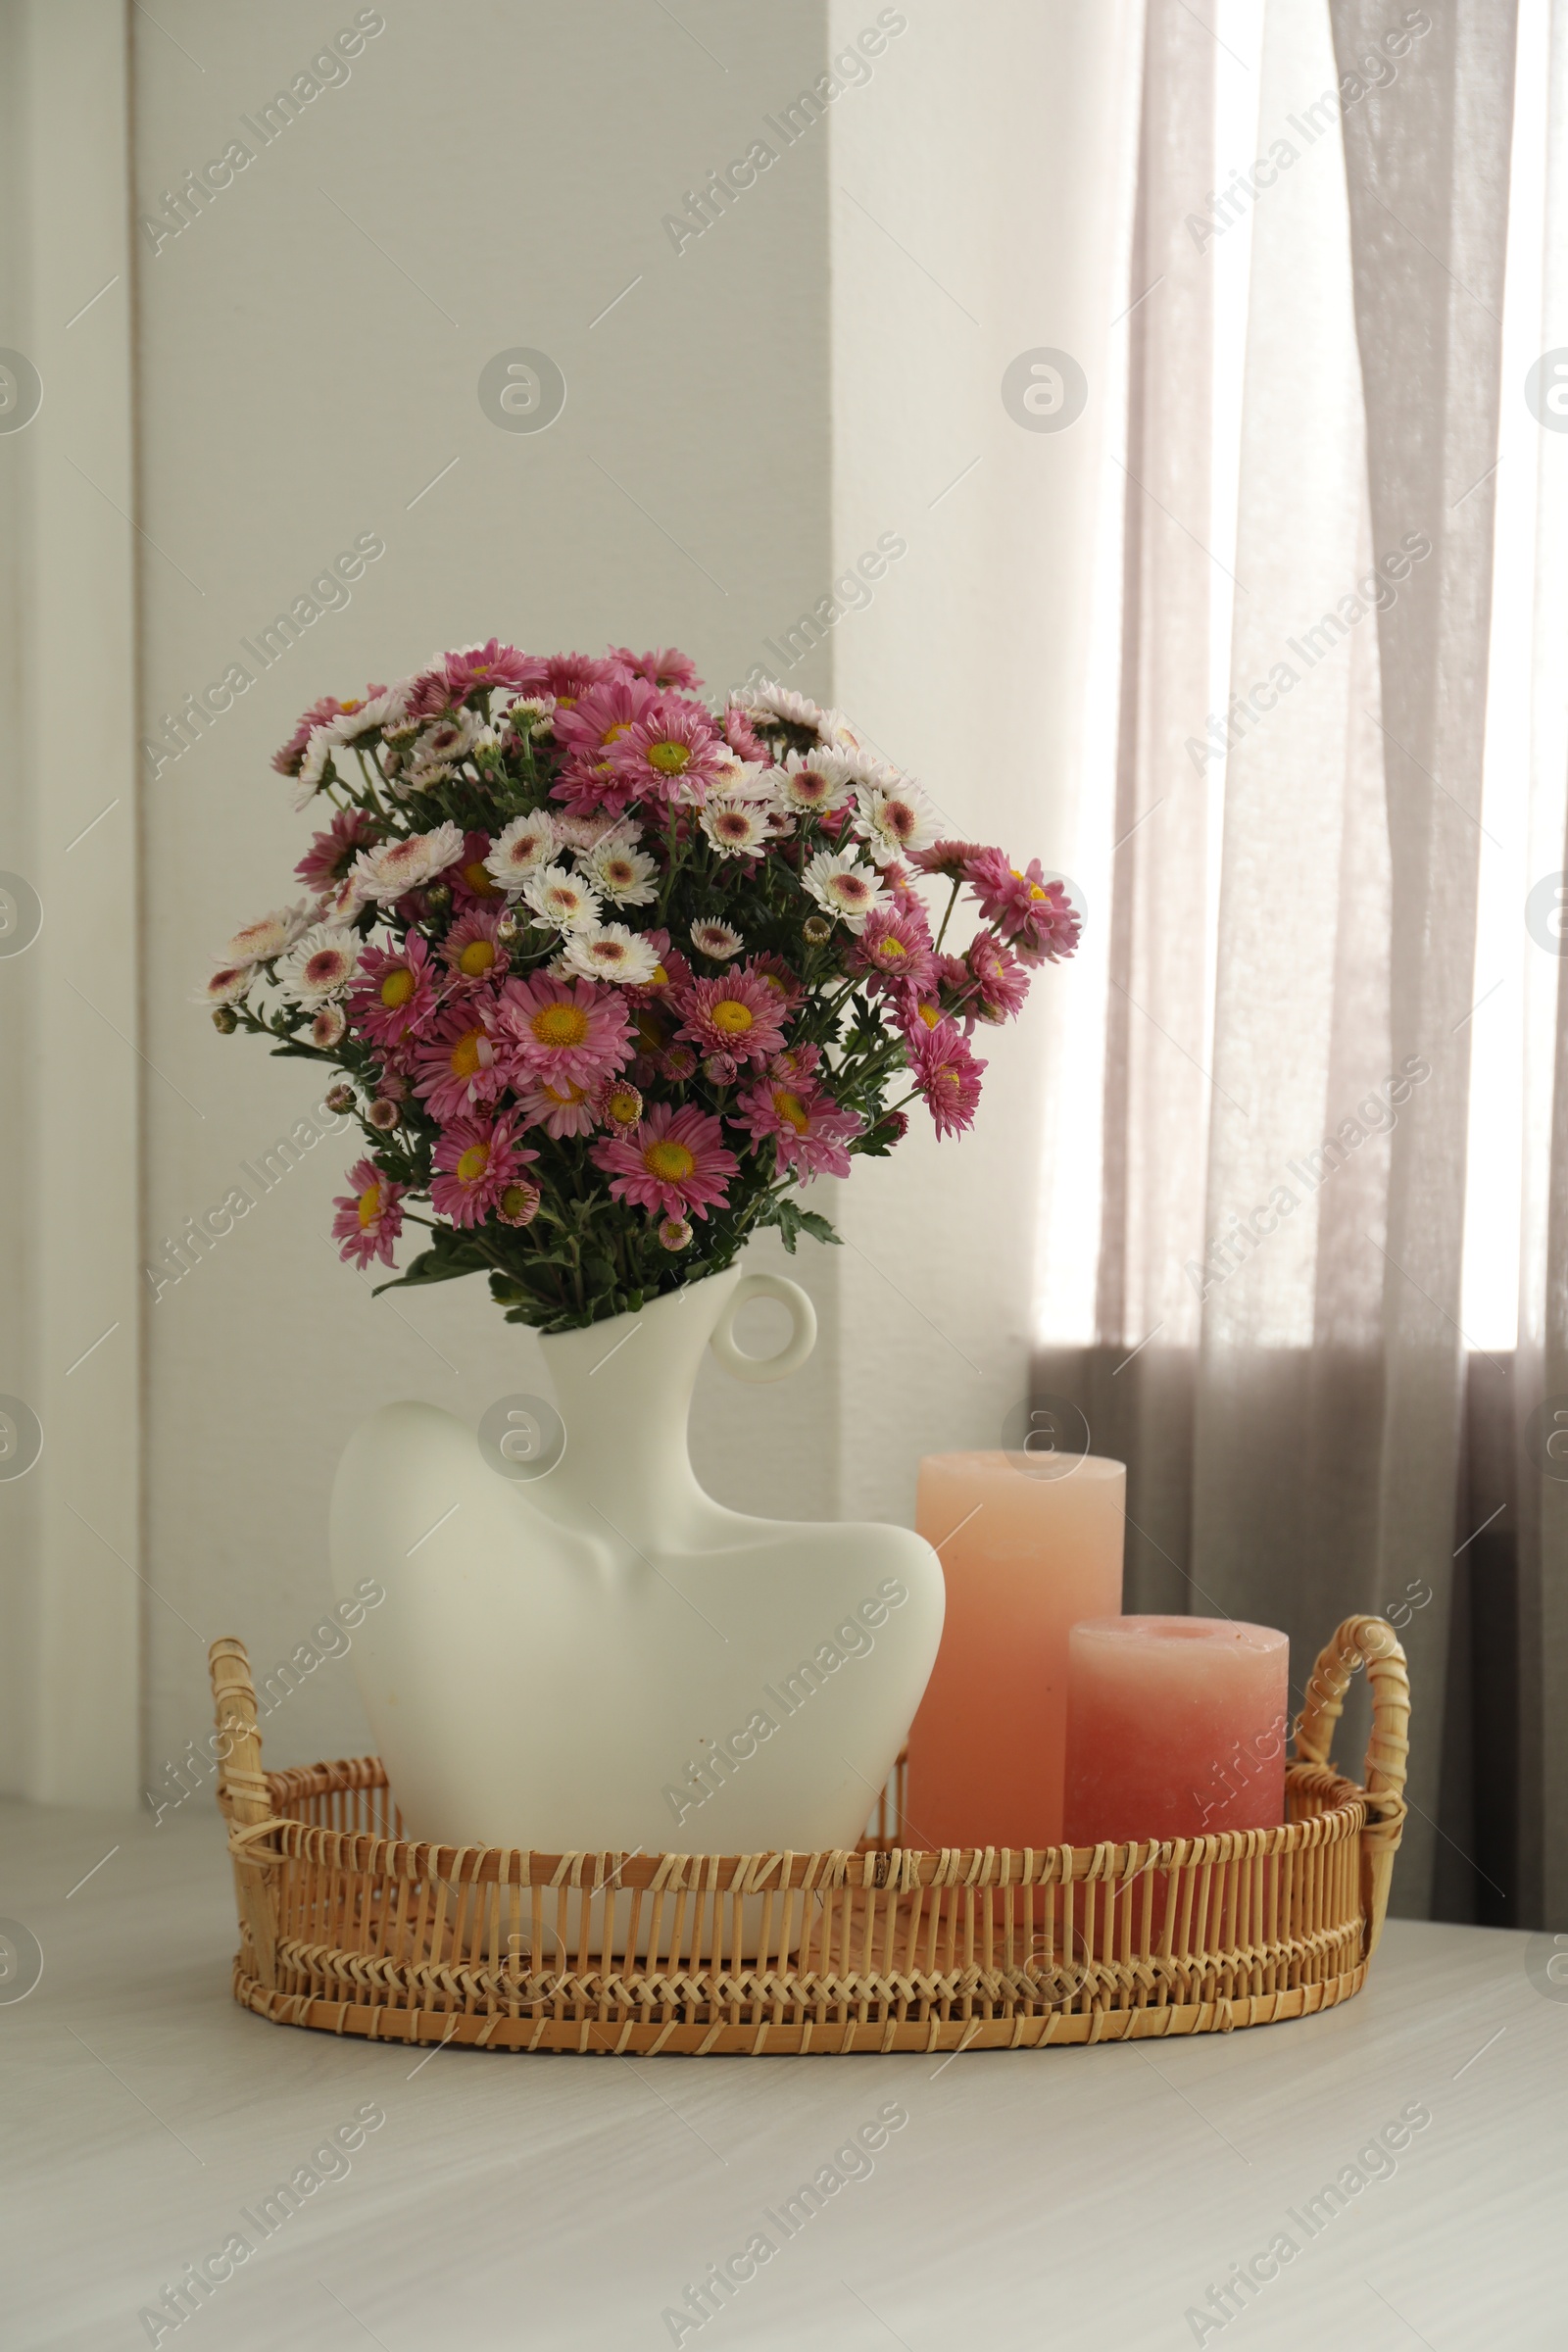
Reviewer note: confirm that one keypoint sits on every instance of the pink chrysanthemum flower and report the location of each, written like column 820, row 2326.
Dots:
column 589, row 732
column 781, row 982
column 810, row 1133
column 287, row 758
column 739, row 1015
column 470, row 949
column 458, row 1066
column 520, row 1203
column 896, row 945
column 954, row 858
column 568, row 676
column 369, row 1219
column 795, row 1063
column 947, row 1076
column 560, row 1030
column 622, row 1106
column 332, row 853
column 561, row 1107
column 673, row 755
column 397, row 994
column 475, row 1159
column 480, row 667
column 742, row 737
column 1031, row 910
column 665, row 667
column 673, row 1163
column 1000, row 982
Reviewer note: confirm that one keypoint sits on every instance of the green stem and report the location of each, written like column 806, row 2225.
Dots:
column 947, row 918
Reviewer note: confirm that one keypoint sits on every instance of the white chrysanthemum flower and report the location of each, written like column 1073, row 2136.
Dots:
column 770, row 702
column 736, row 828
column 392, row 867
column 862, row 771
column 584, row 832
column 717, row 941
column 527, row 844
column 322, row 966
column 560, row 899
column 842, row 886
column 752, row 780
column 810, row 783
column 341, row 904
column 229, row 986
column 269, row 936
column 439, row 746
column 895, row 820
column 620, row 870
column 313, row 768
column 383, row 710
column 529, row 714
column 610, row 952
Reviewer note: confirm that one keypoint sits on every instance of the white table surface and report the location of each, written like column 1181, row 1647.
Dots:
column 1061, row 2198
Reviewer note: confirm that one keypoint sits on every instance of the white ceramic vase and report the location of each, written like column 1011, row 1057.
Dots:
column 603, row 1657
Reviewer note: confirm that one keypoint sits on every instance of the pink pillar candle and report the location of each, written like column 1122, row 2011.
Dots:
column 1176, row 1728
column 1029, row 1543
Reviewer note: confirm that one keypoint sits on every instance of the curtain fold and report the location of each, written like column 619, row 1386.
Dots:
column 1279, row 1354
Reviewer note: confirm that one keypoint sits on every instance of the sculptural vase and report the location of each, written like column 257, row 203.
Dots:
column 589, row 1653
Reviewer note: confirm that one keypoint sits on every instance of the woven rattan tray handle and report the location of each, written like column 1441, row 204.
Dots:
column 242, row 1792
column 1373, row 1642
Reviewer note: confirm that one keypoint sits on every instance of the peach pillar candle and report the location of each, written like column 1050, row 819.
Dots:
column 1029, row 1543
column 1175, row 1728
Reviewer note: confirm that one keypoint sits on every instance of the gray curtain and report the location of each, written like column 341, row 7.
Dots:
column 1285, row 1134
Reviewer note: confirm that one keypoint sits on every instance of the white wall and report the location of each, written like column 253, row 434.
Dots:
column 980, row 211
column 796, row 381
column 514, row 162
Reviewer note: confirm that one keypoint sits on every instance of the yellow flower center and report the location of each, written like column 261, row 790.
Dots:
column 370, row 1206
column 671, row 759
column 623, row 1107
column 515, row 1200
column 560, row 1025
column 670, row 1162
column 476, row 958
column 1035, row 891
column 792, row 1109
column 474, row 1163
column 398, row 987
column 565, row 702
column 466, row 1063
column 613, row 734
column 658, row 978
column 891, row 947
column 732, row 1017
column 566, row 1095
column 930, row 1014
column 477, row 877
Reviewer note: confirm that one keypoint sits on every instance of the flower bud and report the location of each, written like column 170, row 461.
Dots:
column 438, row 899
column 623, row 1105
column 507, row 931
column 675, row 1233
column 815, row 929
column 719, row 1069
column 328, row 1027
column 383, row 1114
column 519, row 1205
column 226, row 1020
column 340, row 1098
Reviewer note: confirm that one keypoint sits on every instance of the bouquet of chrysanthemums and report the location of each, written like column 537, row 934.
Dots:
column 610, row 974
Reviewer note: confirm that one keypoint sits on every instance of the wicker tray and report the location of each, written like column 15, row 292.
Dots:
column 348, row 1926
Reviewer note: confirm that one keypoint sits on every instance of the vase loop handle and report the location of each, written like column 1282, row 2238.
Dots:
column 790, row 1357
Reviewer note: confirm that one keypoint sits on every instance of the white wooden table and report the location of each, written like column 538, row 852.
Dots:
column 1058, row 2198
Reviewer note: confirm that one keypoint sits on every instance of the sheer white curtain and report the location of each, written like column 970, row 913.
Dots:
column 1278, row 1349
